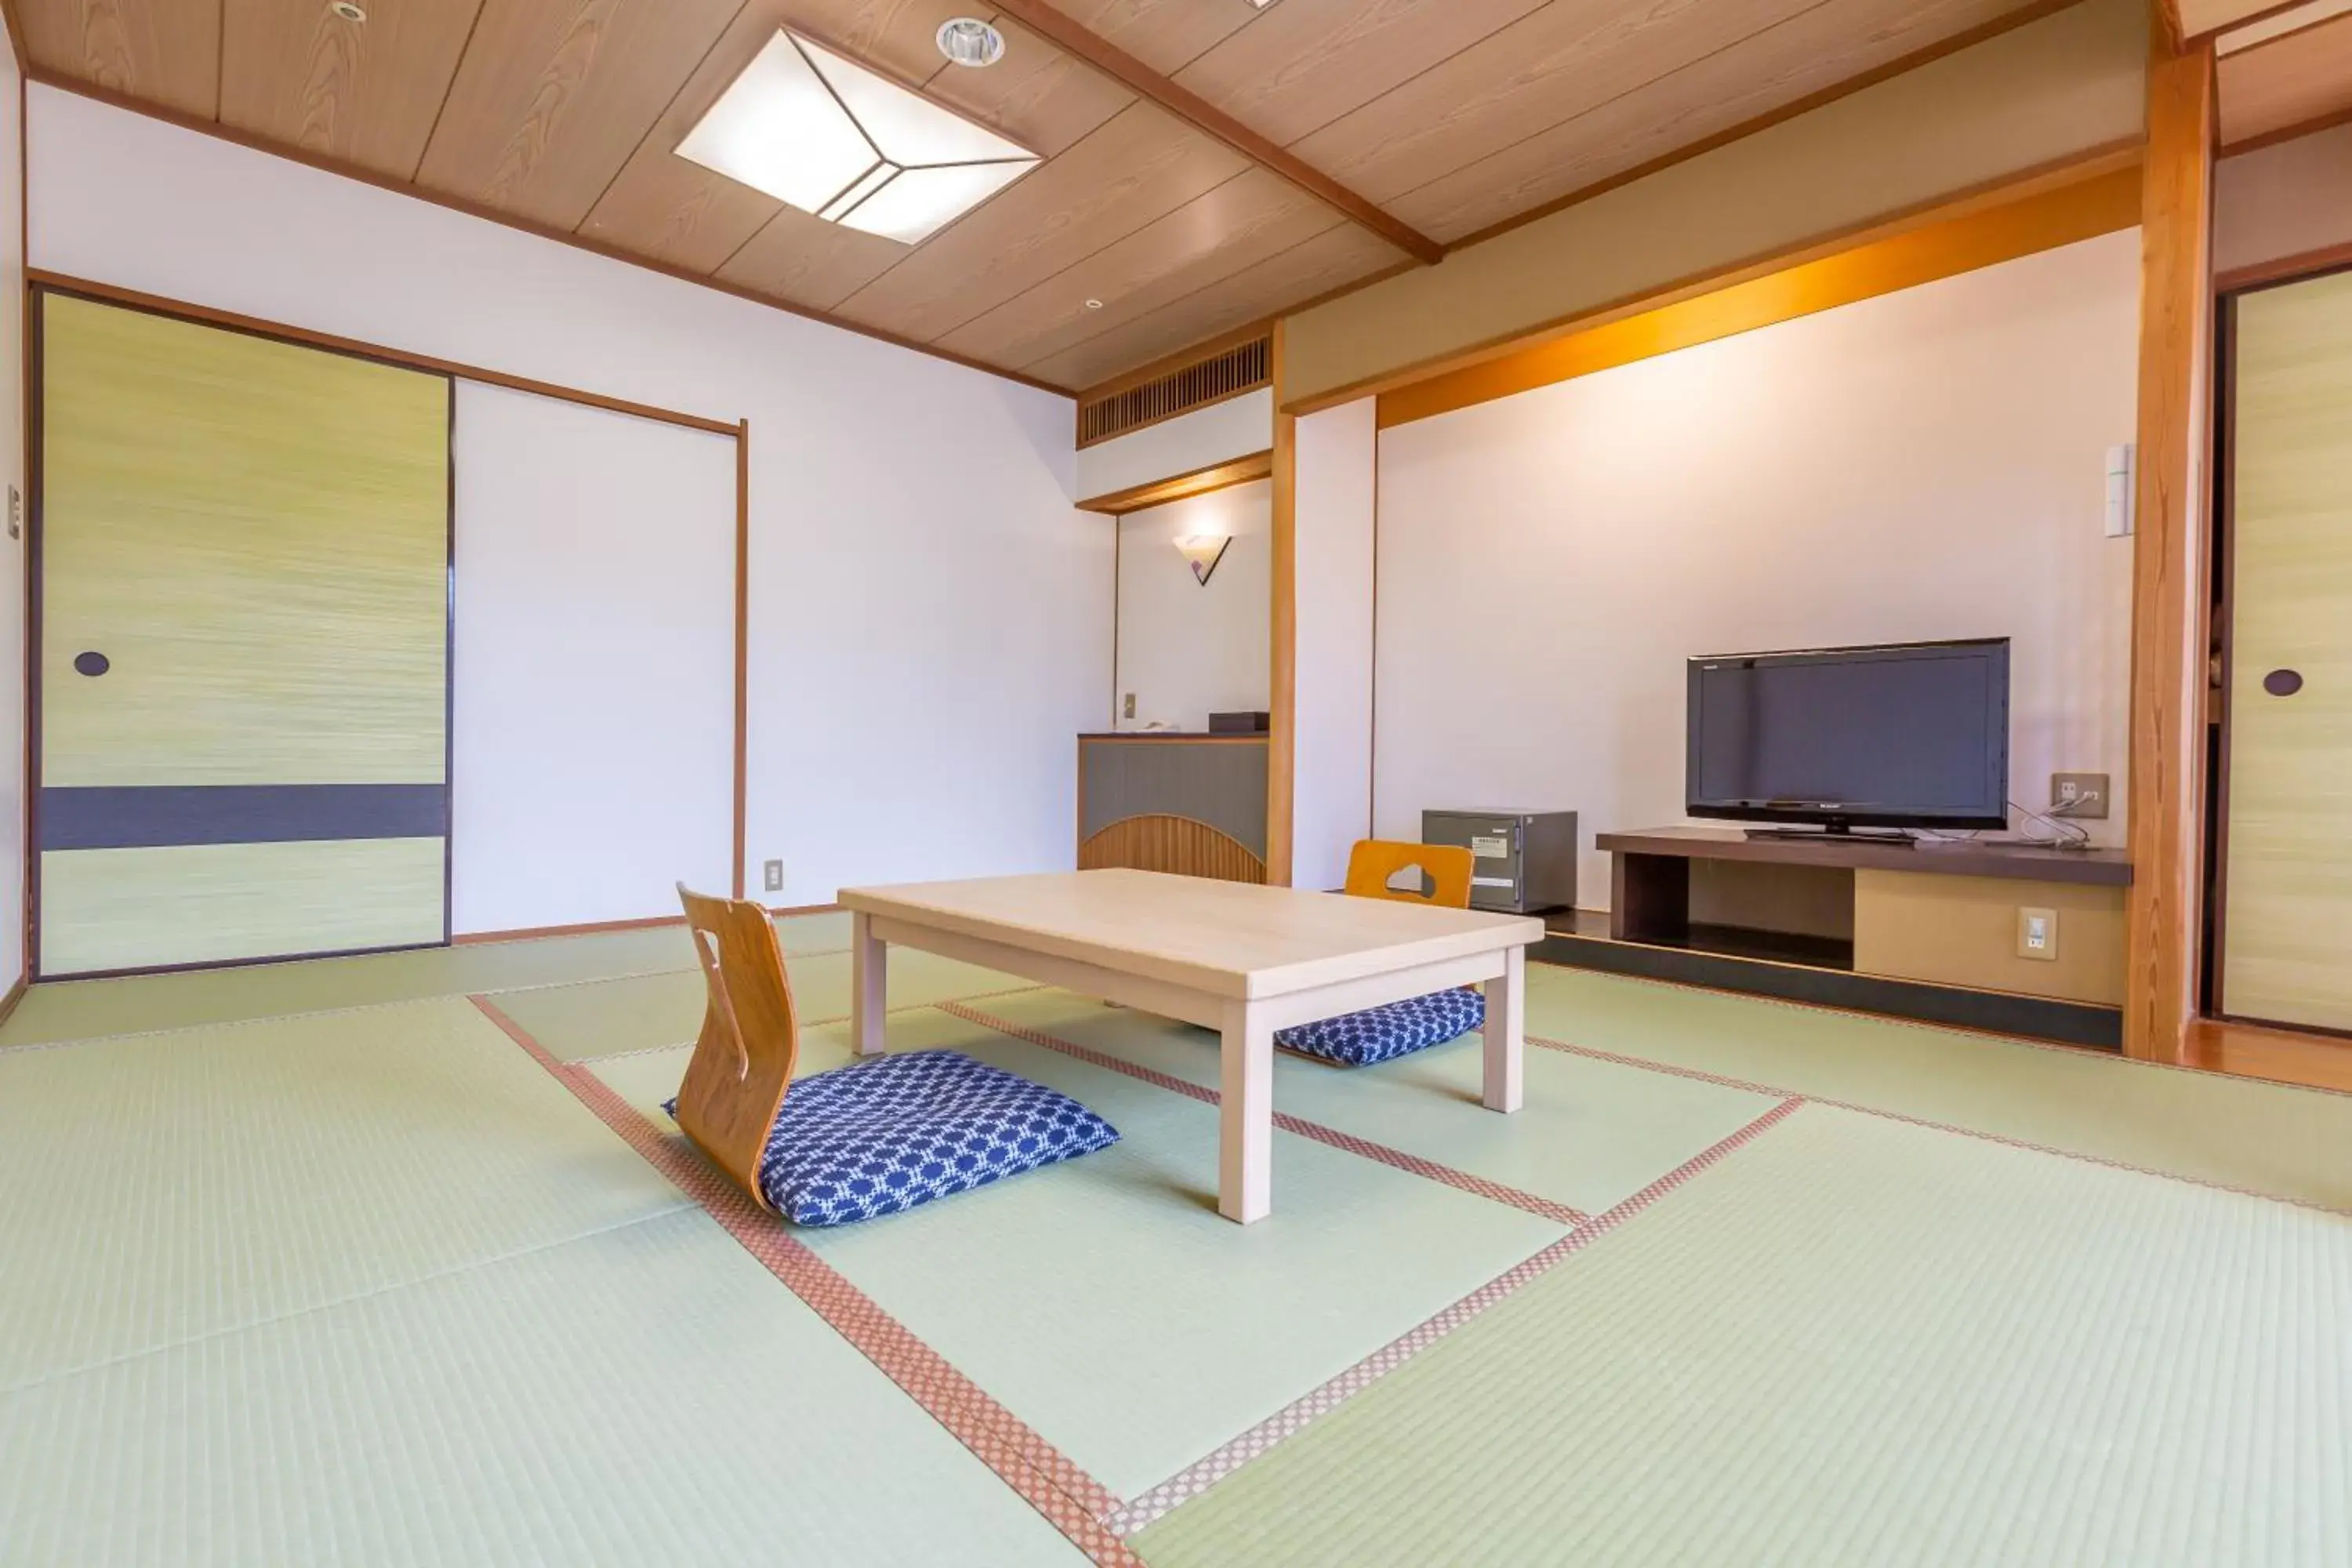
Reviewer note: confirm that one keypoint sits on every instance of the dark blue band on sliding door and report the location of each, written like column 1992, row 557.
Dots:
column 140, row 817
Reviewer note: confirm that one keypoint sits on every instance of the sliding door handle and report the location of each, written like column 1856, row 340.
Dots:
column 92, row 663
column 2283, row 682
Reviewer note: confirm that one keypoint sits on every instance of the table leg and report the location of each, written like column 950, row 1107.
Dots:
column 1245, row 1150
column 869, row 987
column 1507, row 1045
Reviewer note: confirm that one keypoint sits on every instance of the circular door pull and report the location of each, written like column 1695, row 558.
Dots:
column 92, row 663
column 2283, row 682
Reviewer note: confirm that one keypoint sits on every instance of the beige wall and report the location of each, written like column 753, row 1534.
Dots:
column 2066, row 85
column 1962, row 930
column 2284, row 200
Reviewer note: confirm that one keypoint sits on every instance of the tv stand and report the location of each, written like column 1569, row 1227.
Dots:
column 1927, row 929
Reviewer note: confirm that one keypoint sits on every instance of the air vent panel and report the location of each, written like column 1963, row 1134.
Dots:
column 1242, row 368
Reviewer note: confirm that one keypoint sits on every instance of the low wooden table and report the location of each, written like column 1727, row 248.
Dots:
column 1238, row 958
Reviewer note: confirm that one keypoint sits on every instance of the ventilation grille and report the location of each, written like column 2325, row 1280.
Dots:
column 1237, row 370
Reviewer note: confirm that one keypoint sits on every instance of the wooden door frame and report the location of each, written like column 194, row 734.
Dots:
column 38, row 290
column 2211, row 992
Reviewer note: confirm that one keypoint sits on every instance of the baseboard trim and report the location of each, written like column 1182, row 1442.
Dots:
column 597, row 928
column 15, row 995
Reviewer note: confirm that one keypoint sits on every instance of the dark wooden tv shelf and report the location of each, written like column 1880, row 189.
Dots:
column 1955, row 857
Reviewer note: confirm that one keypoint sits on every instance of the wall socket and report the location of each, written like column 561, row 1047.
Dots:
column 772, row 876
column 1128, row 711
column 2037, row 934
column 2079, row 795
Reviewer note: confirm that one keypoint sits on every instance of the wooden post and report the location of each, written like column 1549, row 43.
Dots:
column 1281, row 742
column 2171, row 556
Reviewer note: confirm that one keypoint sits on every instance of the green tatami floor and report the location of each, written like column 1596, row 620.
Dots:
column 317, row 1264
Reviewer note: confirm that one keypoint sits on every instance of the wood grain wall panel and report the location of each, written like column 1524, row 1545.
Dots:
column 1340, row 256
column 1166, row 34
column 167, row 51
column 1560, row 62
column 1305, row 63
column 1250, row 218
column 808, row 262
column 1815, row 49
column 553, row 99
column 367, row 93
column 1144, row 164
column 2295, row 80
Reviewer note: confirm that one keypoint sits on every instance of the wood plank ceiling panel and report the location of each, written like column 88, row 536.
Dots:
column 2303, row 79
column 1303, row 64
column 661, row 204
column 165, row 51
column 1560, row 62
column 553, row 98
column 1340, row 256
column 1166, row 34
column 363, row 92
column 1817, row 49
column 1250, row 218
column 1145, row 163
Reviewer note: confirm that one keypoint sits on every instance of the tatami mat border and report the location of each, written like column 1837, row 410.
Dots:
column 1072, row 1501
column 1296, row 1416
column 805, row 1024
column 1364, row 1148
column 1702, row 1076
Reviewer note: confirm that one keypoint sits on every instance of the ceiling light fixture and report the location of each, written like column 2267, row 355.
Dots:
column 347, row 11
column 830, row 137
column 969, row 41
column 1094, row 304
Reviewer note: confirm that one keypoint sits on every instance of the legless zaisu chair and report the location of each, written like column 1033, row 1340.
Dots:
column 1398, row 1028
column 862, row 1141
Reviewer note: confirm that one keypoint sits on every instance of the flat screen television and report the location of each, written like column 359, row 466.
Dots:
column 1913, row 735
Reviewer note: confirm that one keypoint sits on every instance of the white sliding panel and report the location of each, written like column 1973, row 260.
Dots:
column 593, row 661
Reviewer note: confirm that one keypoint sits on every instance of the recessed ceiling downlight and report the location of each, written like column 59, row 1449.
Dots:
column 347, row 11
column 969, row 41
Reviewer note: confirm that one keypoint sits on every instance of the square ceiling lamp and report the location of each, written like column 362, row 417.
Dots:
column 830, row 137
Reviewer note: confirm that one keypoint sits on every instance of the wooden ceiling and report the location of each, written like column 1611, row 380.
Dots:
column 1147, row 229
column 2286, row 75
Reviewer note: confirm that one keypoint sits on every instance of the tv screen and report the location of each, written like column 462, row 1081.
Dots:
column 1914, row 735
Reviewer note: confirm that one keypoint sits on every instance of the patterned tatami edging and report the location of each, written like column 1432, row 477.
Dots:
column 1364, row 1148
column 805, row 1024
column 1296, row 1416
column 1072, row 1501
column 1701, row 1076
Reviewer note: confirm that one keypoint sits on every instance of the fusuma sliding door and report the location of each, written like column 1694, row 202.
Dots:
column 2286, row 933
column 242, row 563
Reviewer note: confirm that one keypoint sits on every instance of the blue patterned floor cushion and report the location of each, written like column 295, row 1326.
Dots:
column 1382, row 1034
column 876, row 1137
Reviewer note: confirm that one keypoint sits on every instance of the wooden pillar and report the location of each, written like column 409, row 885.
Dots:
column 2171, row 556
column 1282, row 742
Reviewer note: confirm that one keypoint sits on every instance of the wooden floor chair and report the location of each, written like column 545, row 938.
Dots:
column 858, row 1141
column 1398, row 1028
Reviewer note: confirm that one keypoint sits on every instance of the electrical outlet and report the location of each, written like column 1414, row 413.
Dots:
column 772, row 876
column 1129, row 712
column 2037, row 934
column 2079, row 795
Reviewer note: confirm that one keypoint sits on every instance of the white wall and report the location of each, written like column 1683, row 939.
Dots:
column 12, row 541
column 1187, row 650
column 928, row 621
column 1924, row 465
column 1331, row 761
column 592, row 729
column 2283, row 200
column 1184, row 445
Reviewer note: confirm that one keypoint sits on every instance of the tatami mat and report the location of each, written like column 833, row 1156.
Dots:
column 86, row 1009
column 1855, row 1341
column 601, row 1017
column 169, row 1186
column 648, row 1394
column 2233, row 1131
column 1083, row 1294
column 1591, row 1135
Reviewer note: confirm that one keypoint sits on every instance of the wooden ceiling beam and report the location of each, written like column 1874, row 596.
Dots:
column 1039, row 17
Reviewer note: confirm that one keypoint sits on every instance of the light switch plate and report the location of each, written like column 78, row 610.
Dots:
column 2079, row 795
column 2037, row 934
column 772, row 876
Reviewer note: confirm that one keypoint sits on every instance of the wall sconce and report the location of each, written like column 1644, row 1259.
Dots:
column 1203, row 551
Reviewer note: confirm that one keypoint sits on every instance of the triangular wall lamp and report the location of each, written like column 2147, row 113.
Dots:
column 1203, row 551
